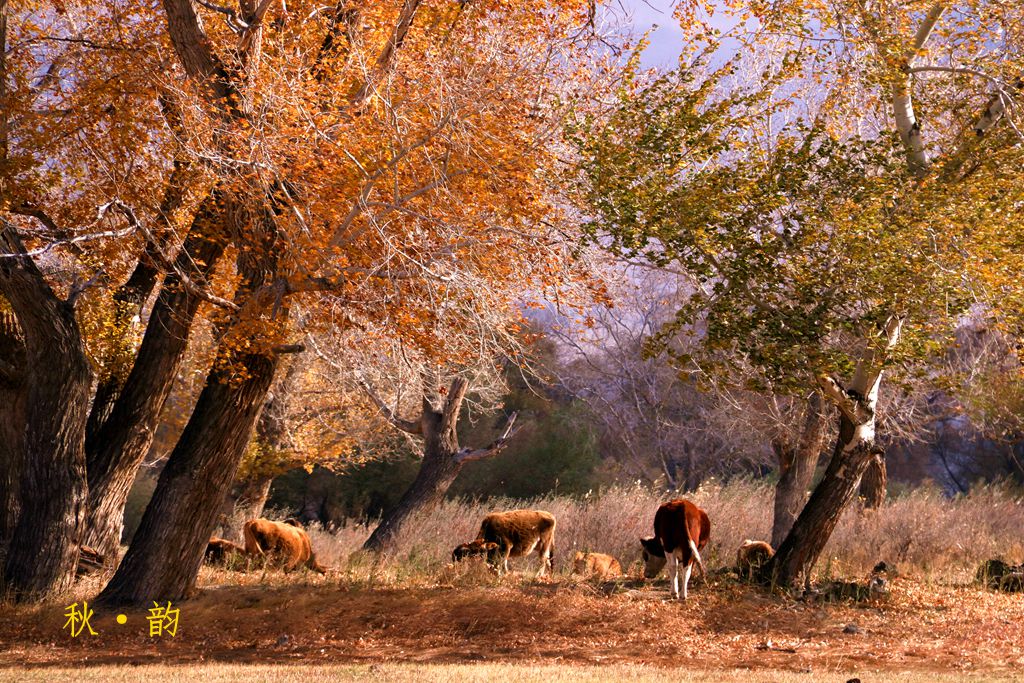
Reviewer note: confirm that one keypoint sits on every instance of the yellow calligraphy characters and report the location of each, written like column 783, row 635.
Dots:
column 163, row 620
column 78, row 619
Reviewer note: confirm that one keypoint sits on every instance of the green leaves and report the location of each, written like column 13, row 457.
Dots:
column 798, row 245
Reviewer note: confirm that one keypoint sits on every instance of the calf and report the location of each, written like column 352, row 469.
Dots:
column 512, row 534
column 596, row 564
column 285, row 540
column 681, row 530
column 219, row 551
column 751, row 556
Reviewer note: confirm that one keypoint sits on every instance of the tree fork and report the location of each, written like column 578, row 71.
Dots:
column 443, row 459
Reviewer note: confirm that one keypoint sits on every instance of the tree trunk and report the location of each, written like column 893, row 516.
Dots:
column 796, row 469
column 436, row 475
column 116, row 450
column 43, row 551
column 855, row 447
column 801, row 548
column 442, row 461
column 164, row 558
column 269, row 450
column 12, row 426
column 131, row 296
column 245, row 501
column 874, row 482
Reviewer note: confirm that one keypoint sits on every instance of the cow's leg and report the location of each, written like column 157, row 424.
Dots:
column 673, row 573
column 686, row 578
column 544, row 550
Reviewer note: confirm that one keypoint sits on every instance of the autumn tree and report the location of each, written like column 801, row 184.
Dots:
column 233, row 162
column 420, row 177
column 831, row 244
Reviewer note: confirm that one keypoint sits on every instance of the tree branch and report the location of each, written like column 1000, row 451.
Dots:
column 453, row 402
column 386, row 58
column 407, row 426
column 469, row 454
column 166, row 263
column 907, row 125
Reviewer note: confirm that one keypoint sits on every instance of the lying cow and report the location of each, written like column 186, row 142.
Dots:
column 681, row 530
column 751, row 556
column 220, row 550
column 512, row 534
column 596, row 564
column 286, row 541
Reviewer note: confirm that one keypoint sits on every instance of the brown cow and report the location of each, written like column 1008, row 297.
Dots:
column 286, row 540
column 681, row 530
column 512, row 534
column 599, row 564
column 751, row 556
column 219, row 550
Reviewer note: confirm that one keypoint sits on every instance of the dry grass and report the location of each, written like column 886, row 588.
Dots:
column 416, row 673
column 928, row 536
column 725, row 625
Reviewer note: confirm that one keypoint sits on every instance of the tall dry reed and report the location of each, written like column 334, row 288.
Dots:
column 925, row 534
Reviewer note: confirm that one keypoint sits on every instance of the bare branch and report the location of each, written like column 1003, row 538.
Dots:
column 79, row 288
column 453, row 403
column 407, row 426
column 470, row 454
column 165, row 262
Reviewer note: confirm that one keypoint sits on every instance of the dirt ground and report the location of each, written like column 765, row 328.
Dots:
column 725, row 625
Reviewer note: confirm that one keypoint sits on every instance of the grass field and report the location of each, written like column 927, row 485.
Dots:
column 507, row 673
column 415, row 616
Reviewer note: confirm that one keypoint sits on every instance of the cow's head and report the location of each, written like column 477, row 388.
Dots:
column 654, row 556
column 477, row 547
column 292, row 521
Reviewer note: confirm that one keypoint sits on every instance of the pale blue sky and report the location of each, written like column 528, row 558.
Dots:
column 665, row 40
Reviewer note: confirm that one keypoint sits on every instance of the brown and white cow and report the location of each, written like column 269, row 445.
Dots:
column 512, row 534
column 681, row 530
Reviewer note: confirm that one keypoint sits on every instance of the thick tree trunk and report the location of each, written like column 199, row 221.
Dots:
column 436, row 475
column 797, row 554
column 43, row 551
column 12, row 426
column 874, row 482
column 164, row 558
column 442, row 461
column 116, row 450
column 796, row 469
column 270, row 449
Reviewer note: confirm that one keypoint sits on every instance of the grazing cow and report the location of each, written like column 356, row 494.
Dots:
column 590, row 564
column 219, row 550
column 471, row 549
column 512, row 534
column 286, row 540
column 681, row 530
column 751, row 556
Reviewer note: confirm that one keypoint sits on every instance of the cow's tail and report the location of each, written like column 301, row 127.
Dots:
column 696, row 556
